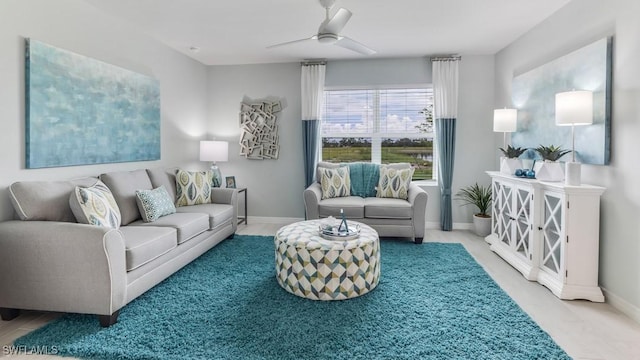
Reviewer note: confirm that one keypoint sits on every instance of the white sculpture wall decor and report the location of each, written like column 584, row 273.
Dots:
column 259, row 130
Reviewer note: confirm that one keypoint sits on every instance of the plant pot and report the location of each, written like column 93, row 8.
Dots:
column 482, row 225
column 549, row 171
column 509, row 166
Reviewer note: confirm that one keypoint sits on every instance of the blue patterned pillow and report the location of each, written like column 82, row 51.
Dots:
column 154, row 204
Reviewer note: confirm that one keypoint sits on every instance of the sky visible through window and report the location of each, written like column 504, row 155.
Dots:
column 378, row 125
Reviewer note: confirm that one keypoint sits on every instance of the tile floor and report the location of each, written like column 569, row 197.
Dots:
column 585, row 330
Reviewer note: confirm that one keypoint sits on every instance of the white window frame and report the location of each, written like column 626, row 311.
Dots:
column 376, row 136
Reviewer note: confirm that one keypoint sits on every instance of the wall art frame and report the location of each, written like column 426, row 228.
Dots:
column 533, row 94
column 82, row 111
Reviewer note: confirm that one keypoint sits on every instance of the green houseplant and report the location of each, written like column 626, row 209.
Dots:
column 550, row 169
column 551, row 152
column 509, row 163
column 480, row 197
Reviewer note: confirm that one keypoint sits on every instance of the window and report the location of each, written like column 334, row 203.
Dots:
column 381, row 126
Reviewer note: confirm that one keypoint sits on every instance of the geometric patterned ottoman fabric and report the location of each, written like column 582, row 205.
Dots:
column 315, row 268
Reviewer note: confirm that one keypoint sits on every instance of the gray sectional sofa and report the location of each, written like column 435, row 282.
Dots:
column 389, row 217
column 50, row 262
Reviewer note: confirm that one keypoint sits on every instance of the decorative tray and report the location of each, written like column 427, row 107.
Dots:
column 332, row 233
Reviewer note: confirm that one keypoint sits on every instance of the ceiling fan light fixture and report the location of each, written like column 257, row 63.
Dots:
column 327, row 38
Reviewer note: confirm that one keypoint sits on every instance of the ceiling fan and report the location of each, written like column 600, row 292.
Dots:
column 328, row 32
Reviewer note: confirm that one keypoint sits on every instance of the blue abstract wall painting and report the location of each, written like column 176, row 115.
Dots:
column 533, row 94
column 83, row 111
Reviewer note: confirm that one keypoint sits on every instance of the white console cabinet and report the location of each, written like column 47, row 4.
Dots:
column 549, row 232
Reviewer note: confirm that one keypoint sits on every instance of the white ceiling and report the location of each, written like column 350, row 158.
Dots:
column 238, row 31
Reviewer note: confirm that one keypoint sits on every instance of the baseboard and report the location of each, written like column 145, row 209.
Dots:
column 288, row 220
column 456, row 226
column 624, row 306
column 273, row 220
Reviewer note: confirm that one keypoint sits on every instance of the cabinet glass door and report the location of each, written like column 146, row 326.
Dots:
column 504, row 197
column 552, row 233
column 523, row 222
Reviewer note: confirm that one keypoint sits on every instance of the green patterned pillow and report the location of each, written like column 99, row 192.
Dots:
column 95, row 205
column 193, row 188
column 154, row 204
column 335, row 182
column 394, row 183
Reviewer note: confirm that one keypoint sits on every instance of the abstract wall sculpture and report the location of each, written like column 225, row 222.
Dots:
column 259, row 130
column 83, row 111
column 533, row 94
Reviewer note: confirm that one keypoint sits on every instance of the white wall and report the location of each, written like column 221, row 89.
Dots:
column 574, row 26
column 275, row 186
column 76, row 26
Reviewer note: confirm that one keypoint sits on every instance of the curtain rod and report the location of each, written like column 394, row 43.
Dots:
column 313, row 62
column 447, row 58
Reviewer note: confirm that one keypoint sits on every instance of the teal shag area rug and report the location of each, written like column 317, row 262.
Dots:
column 433, row 302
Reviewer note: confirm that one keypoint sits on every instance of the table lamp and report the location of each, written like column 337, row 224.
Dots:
column 574, row 108
column 214, row 151
column 504, row 121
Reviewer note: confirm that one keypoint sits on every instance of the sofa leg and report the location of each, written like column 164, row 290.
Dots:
column 8, row 314
column 418, row 240
column 108, row 320
column 231, row 236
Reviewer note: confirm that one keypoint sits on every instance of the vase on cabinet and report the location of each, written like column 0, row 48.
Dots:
column 509, row 165
column 548, row 171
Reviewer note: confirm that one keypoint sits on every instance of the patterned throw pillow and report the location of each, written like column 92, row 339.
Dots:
column 95, row 205
column 335, row 182
column 193, row 188
column 154, row 204
column 394, row 183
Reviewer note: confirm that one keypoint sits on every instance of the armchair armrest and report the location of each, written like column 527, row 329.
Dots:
column 418, row 199
column 61, row 266
column 312, row 196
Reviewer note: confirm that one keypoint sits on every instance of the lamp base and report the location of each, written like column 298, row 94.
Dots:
column 572, row 173
column 217, row 176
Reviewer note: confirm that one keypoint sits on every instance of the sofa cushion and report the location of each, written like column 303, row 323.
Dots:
column 95, row 205
column 154, row 204
column 385, row 208
column 219, row 214
column 394, row 183
column 123, row 185
column 145, row 243
column 45, row 200
column 325, row 165
column 193, row 187
column 164, row 177
column 353, row 207
column 335, row 182
column 187, row 225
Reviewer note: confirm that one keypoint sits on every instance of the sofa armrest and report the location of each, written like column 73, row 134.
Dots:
column 418, row 199
column 224, row 196
column 312, row 196
column 62, row 266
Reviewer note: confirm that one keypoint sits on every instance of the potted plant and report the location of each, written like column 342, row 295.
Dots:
column 510, row 162
column 480, row 197
column 549, row 169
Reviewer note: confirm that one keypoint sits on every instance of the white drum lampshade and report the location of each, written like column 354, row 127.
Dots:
column 505, row 120
column 574, row 108
column 214, row 151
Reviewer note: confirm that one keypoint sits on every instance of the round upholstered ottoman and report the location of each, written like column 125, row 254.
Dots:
column 312, row 267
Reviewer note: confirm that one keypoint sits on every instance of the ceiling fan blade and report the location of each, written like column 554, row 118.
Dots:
column 336, row 23
column 353, row 45
column 314, row 37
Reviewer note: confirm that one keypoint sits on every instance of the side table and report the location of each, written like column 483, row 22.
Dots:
column 243, row 219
